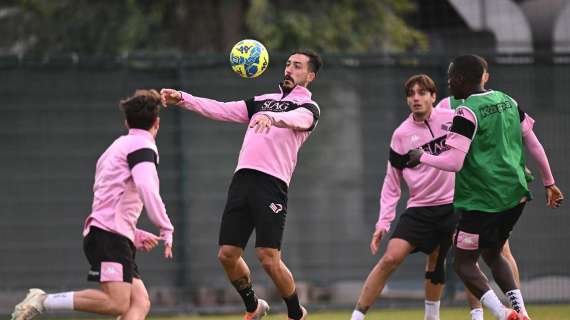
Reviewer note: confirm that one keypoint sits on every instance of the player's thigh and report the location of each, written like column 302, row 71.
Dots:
column 119, row 292
column 418, row 227
column 432, row 258
column 111, row 256
column 139, row 294
column 269, row 207
column 397, row 250
column 477, row 230
column 237, row 222
column 508, row 220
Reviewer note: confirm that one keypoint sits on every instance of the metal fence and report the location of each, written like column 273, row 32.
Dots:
column 59, row 116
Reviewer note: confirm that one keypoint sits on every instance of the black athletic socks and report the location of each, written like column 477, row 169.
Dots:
column 293, row 307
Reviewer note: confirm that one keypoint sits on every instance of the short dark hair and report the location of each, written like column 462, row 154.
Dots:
column 483, row 62
column 470, row 67
column 141, row 109
column 423, row 80
column 315, row 60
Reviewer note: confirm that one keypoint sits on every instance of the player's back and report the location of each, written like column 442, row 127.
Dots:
column 116, row 203
column 492, row 178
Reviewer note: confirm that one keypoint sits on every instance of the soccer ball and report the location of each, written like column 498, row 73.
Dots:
column 249, row 58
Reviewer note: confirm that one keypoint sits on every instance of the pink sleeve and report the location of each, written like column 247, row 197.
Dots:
column 450, row 160
column 141, row 236
column 389, row 198
column 235, row 111
column 457, row 140
column 147, row 183
column 526, row 125
column 298, row 119
column 536, row 150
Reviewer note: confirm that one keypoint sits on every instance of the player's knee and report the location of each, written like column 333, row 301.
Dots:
column 437, row 276
column 119, row 306
column 226, row 257
column 142, row 304
column 268, row 260
column 389, row 262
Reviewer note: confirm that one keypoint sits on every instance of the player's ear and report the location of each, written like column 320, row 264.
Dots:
column 157, row 123
column 311, row 76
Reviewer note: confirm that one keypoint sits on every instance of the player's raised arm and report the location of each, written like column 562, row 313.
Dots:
column 234, row 111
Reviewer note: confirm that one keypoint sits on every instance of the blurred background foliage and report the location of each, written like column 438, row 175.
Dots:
column 111, row 27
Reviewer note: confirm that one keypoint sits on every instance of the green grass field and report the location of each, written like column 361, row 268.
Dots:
column 542, row 312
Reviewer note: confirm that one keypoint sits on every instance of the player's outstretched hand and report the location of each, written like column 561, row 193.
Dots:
column 149, row 244
column 414, row 155
column 261, row 122
column 168, row 250
column 554, row 196
column 376, row 239
column 170, row 96
column 145, row 241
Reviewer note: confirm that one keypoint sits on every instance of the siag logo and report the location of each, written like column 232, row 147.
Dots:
column 276, row 207
column 275, row 106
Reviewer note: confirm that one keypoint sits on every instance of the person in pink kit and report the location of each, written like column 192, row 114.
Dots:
column 428, row 223
column 279, row 124
column 126, row 179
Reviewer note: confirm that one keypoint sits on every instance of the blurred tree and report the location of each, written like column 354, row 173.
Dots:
column 101, row 27
column 353, row 26
column 86, row 26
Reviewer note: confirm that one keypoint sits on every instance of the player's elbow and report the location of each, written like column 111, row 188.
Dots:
column 456, row 166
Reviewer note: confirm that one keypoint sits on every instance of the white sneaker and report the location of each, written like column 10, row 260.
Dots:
column 260, row 312
column 31, row 306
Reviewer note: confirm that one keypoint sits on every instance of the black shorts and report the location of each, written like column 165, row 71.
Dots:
column 426, row 228
column 478, row 230
column 255, row 201
column 112, row 256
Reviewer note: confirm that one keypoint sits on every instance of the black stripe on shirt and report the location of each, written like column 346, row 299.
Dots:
column 522, row 114
column 463, row 127
column 315, row 111
column 397, row 160
column 250, row 103
column 141, row 155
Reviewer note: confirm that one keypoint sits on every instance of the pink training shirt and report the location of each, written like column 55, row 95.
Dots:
column 125, row 179
column 294, row 115
column 427, row 186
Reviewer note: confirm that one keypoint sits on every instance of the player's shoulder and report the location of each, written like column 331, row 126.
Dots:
column 507, row 97
column 133, row 143
column 444, row 103
column 267, row 96
column 443, row 113
column 311, row 105
column 403, row 128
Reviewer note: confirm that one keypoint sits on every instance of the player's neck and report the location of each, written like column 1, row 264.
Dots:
column 474, row 90
column 421, row 117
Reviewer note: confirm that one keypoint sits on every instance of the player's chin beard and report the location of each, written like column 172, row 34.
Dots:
column 288, row 84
